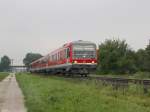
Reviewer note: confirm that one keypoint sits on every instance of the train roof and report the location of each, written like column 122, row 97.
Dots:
column 82, row 42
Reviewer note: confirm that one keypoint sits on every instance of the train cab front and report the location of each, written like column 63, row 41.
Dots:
column 84, row 57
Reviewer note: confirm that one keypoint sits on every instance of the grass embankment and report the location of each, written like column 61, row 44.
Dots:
column 58, row 94
column 3, row 75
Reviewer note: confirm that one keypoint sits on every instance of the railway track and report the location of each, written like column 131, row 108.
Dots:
column 118, row 82
column 122, row 80
column 115, row 80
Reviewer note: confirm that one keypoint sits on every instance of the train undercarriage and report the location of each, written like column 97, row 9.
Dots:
column 69, row 70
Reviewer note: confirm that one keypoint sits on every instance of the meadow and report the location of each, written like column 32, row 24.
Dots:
column 59, row 94
column 3, row 75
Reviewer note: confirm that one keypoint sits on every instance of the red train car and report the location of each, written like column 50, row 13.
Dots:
column 78, row 57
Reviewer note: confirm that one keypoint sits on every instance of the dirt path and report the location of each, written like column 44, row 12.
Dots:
column 11, row 98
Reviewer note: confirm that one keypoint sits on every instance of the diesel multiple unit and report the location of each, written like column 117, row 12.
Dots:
column 78, row 57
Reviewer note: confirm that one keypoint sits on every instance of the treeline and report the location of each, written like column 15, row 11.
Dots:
column 5, row 63
column 30, row 57
column 116, row 57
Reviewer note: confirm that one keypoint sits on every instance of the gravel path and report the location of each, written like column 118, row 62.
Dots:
column 11, row 98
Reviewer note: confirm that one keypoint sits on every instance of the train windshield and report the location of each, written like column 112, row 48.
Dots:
column 84, row 51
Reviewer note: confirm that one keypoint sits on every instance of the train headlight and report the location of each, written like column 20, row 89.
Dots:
column 75, row 62
column 93, row 62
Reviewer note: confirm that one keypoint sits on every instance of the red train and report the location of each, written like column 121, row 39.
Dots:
column 78, row 57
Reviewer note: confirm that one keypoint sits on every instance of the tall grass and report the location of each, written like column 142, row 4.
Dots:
column 58, row 94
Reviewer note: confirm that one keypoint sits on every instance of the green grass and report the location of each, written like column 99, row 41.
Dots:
column 3, row 75
column 58, row 94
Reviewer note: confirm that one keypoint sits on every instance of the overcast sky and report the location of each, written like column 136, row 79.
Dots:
column 44, row 25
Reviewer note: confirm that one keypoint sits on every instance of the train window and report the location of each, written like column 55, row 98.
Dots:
column 64, row 54
column 84, row 51
column 49, row 57
column 58, row 56
column 53, row 58
column 68, row 53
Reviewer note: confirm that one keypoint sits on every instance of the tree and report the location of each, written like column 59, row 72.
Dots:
column 30, row 57
column 115, row 56
column 5, row 63
column 143, row 59
column 148, row 56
